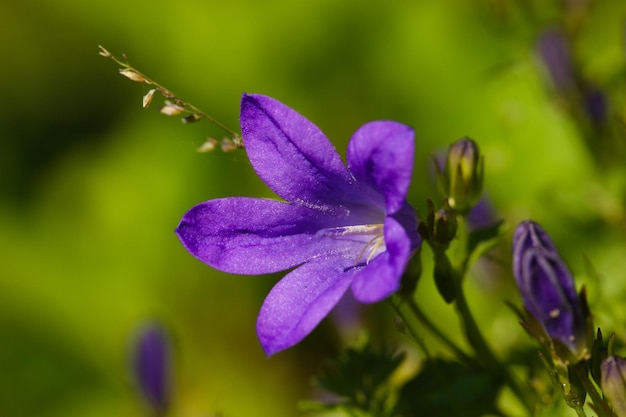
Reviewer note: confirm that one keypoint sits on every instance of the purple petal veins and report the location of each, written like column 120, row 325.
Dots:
column 339, row 226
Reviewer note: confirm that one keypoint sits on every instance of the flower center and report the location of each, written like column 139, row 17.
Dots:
column 370, row 235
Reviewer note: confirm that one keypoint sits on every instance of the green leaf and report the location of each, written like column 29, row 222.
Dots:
column 448, row 389
column 359, row 376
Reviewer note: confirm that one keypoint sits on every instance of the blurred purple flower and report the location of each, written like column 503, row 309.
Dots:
column 482, row 215
column 547, row 286
column 152, row 366
column 339, row 227
column 554, row 51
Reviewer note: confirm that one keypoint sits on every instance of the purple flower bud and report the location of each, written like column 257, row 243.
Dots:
column 152, row 366
column 547, row 287
column 482, row 215
column 596, row 105
column 613, row 370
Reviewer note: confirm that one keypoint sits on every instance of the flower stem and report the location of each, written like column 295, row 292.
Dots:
column 426, row 322
column 600, row 404
column 484, row 353
column 409, row 327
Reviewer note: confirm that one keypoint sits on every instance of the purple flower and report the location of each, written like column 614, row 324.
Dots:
column 152, row 366
column 338, row 227
column 547, row 286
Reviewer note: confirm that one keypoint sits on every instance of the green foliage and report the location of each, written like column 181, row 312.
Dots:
column 360, row 378
column 446, row 389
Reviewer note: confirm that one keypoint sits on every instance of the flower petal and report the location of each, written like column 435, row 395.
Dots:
column 381, row 277
column 255, row 236
column 290, row 154
column 298, row 302
column 380, row 154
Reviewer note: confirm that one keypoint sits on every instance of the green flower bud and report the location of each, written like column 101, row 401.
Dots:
column 462, row 179
column 440, row 226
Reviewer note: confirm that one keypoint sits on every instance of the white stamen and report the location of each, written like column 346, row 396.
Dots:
column 361, row 230
column 372, row 246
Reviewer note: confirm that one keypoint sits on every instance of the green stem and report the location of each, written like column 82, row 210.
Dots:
column 484, row 353
column 580, row 412
column 472, row 331
column 409, row 327
column 426, row 322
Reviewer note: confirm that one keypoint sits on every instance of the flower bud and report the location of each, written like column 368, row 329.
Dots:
column 614, row 383
column 103, row 52
column 463, row 175
column 440, row 226
column 152, row 366
column 548, row 291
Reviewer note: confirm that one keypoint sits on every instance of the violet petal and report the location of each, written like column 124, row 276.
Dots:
column 290, row 154
column 256, row 236
column 380, row 154
column 299, row 301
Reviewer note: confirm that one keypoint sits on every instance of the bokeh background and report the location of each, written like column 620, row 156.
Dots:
column 92, row 185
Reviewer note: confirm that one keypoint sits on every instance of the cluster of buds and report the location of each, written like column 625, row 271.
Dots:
column 175, row 106
column 560, row 319
column 461, row 180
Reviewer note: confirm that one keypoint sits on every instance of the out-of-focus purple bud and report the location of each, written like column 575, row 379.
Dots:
column 554, row 51
column 482, row 215
column 613, row 383
column 547, row 288
column 596, row 106
column 462, row 178
column 152, row 366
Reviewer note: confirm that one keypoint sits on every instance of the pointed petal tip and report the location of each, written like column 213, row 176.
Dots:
column 269, row 349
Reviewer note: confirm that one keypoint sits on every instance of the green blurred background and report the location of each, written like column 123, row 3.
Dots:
column 92, row 186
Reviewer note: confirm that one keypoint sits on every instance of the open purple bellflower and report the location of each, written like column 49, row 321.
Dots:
column 547, row 286
column 338, row 227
